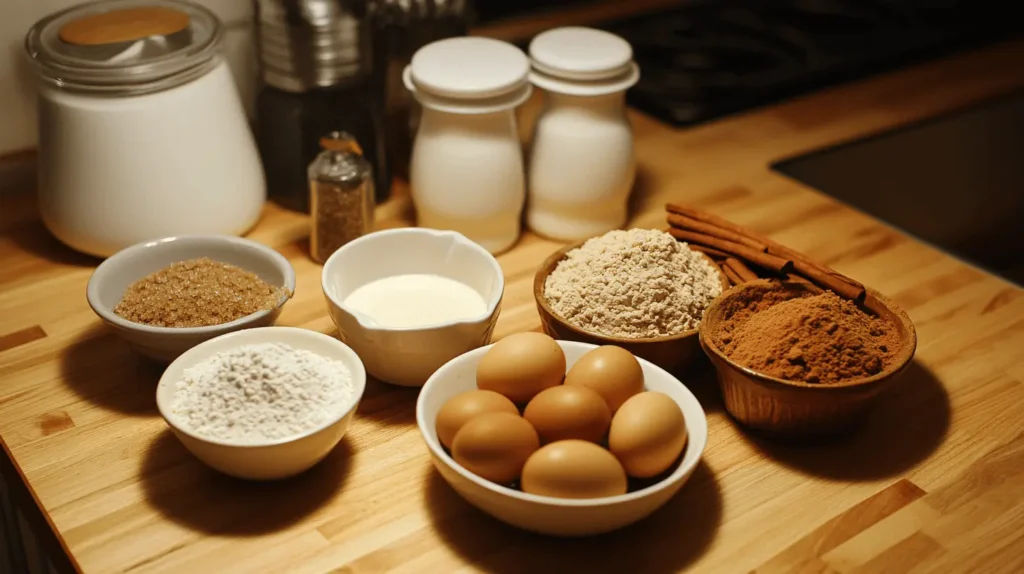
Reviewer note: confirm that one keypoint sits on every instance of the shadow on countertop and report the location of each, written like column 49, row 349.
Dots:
column 188, row 492
column 388, row 404
column 668, row 541
column 910, row 421
column 102, row 369
column 33, row 237
column 701, row 381
column 642, row 193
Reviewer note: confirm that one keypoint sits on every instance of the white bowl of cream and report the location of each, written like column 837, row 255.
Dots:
column 409, row 300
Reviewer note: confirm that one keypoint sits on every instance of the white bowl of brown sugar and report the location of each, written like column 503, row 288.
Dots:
column 167, row 296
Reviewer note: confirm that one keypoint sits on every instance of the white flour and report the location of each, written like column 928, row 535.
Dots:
column 261, row 392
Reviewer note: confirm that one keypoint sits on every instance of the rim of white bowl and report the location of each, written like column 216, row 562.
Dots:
column 492, row 303
column 107, row 313
column 677, row 475
column 358, row 382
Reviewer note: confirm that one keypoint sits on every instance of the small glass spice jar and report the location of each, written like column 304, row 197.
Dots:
column 341, row 197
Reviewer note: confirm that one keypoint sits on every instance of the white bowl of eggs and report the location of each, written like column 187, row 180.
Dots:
column 559, row 437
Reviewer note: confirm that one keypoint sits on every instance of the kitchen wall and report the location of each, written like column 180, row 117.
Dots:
column 17, row 107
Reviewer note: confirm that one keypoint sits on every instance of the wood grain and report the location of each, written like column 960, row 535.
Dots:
column 934, row 481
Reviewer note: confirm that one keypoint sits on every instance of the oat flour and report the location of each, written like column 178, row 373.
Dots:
column 633, row 284
column 260, row 393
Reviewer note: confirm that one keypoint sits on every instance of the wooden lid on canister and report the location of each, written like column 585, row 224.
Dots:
column 126, row 25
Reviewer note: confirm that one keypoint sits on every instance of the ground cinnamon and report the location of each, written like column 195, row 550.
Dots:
column 801, row 336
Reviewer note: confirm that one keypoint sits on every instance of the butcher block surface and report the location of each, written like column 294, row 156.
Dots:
column 934, row 482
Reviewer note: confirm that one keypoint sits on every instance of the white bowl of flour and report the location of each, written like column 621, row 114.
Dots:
column 265, row 403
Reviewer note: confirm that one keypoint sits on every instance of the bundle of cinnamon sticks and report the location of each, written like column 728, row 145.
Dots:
column 745, row 255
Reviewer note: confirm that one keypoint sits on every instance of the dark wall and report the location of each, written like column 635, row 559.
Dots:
column 488, row 10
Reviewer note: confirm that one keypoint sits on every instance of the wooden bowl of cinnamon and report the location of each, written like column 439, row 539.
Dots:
column 810, row 368
column 674, row 353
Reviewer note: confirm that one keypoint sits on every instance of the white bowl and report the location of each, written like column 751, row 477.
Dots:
column 407, row 357
column 545, row 514
column 110, row 280
column 273, row 459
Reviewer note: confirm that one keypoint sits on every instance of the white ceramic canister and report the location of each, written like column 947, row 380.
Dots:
column 466, row 171
column 142, row 133
column 581, row 167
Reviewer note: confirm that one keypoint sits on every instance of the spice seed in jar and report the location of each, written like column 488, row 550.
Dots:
column 259, row 393
column 342, row 214
column 197, row 293
column 633, row 284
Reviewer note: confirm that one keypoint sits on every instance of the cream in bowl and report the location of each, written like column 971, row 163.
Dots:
column 166, row 296
column 263, row 403
column 560, row 437
column 409, row 300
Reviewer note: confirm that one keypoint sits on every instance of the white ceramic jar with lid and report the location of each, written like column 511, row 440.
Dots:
column 142, row 133
column 466, row 171
column 581, row 166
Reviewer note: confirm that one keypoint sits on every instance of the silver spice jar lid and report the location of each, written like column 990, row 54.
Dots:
column 125, row 47
column 341, row 161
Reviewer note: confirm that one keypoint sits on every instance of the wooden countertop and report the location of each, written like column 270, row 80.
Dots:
column 935, row 481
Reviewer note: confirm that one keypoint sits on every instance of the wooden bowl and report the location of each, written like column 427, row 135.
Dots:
column 793, row 409
column 674, row 353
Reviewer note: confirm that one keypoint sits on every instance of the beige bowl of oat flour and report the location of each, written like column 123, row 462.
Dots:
column 638, row 289
column 264, row 403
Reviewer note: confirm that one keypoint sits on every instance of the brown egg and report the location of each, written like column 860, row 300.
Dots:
column 612, row 371
column 573, row 469
column 495, row 446
column 565, row 412
column 647, row 435
column 464, row 406
column 521, row 365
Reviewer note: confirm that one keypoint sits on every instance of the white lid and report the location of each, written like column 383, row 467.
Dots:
column 469, row 68
column 577, row 53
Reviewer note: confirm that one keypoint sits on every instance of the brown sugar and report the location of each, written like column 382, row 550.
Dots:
column 812, row 338
column 197, row 293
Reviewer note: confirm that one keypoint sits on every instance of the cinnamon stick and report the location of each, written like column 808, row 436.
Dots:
column 709, row 251
column 794, row 278
column 740, row 269
column 815, row 272
column 766, row 260
column 831, row 280
column 733, row 277
column 710, row 219
column 690, row 224
column 783, row 251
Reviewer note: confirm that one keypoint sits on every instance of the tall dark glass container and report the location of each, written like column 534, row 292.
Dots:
column 318, row 75
column 399, row 29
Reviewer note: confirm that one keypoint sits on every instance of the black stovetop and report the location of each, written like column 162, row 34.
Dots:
column 956, row 181
column 705, row 60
